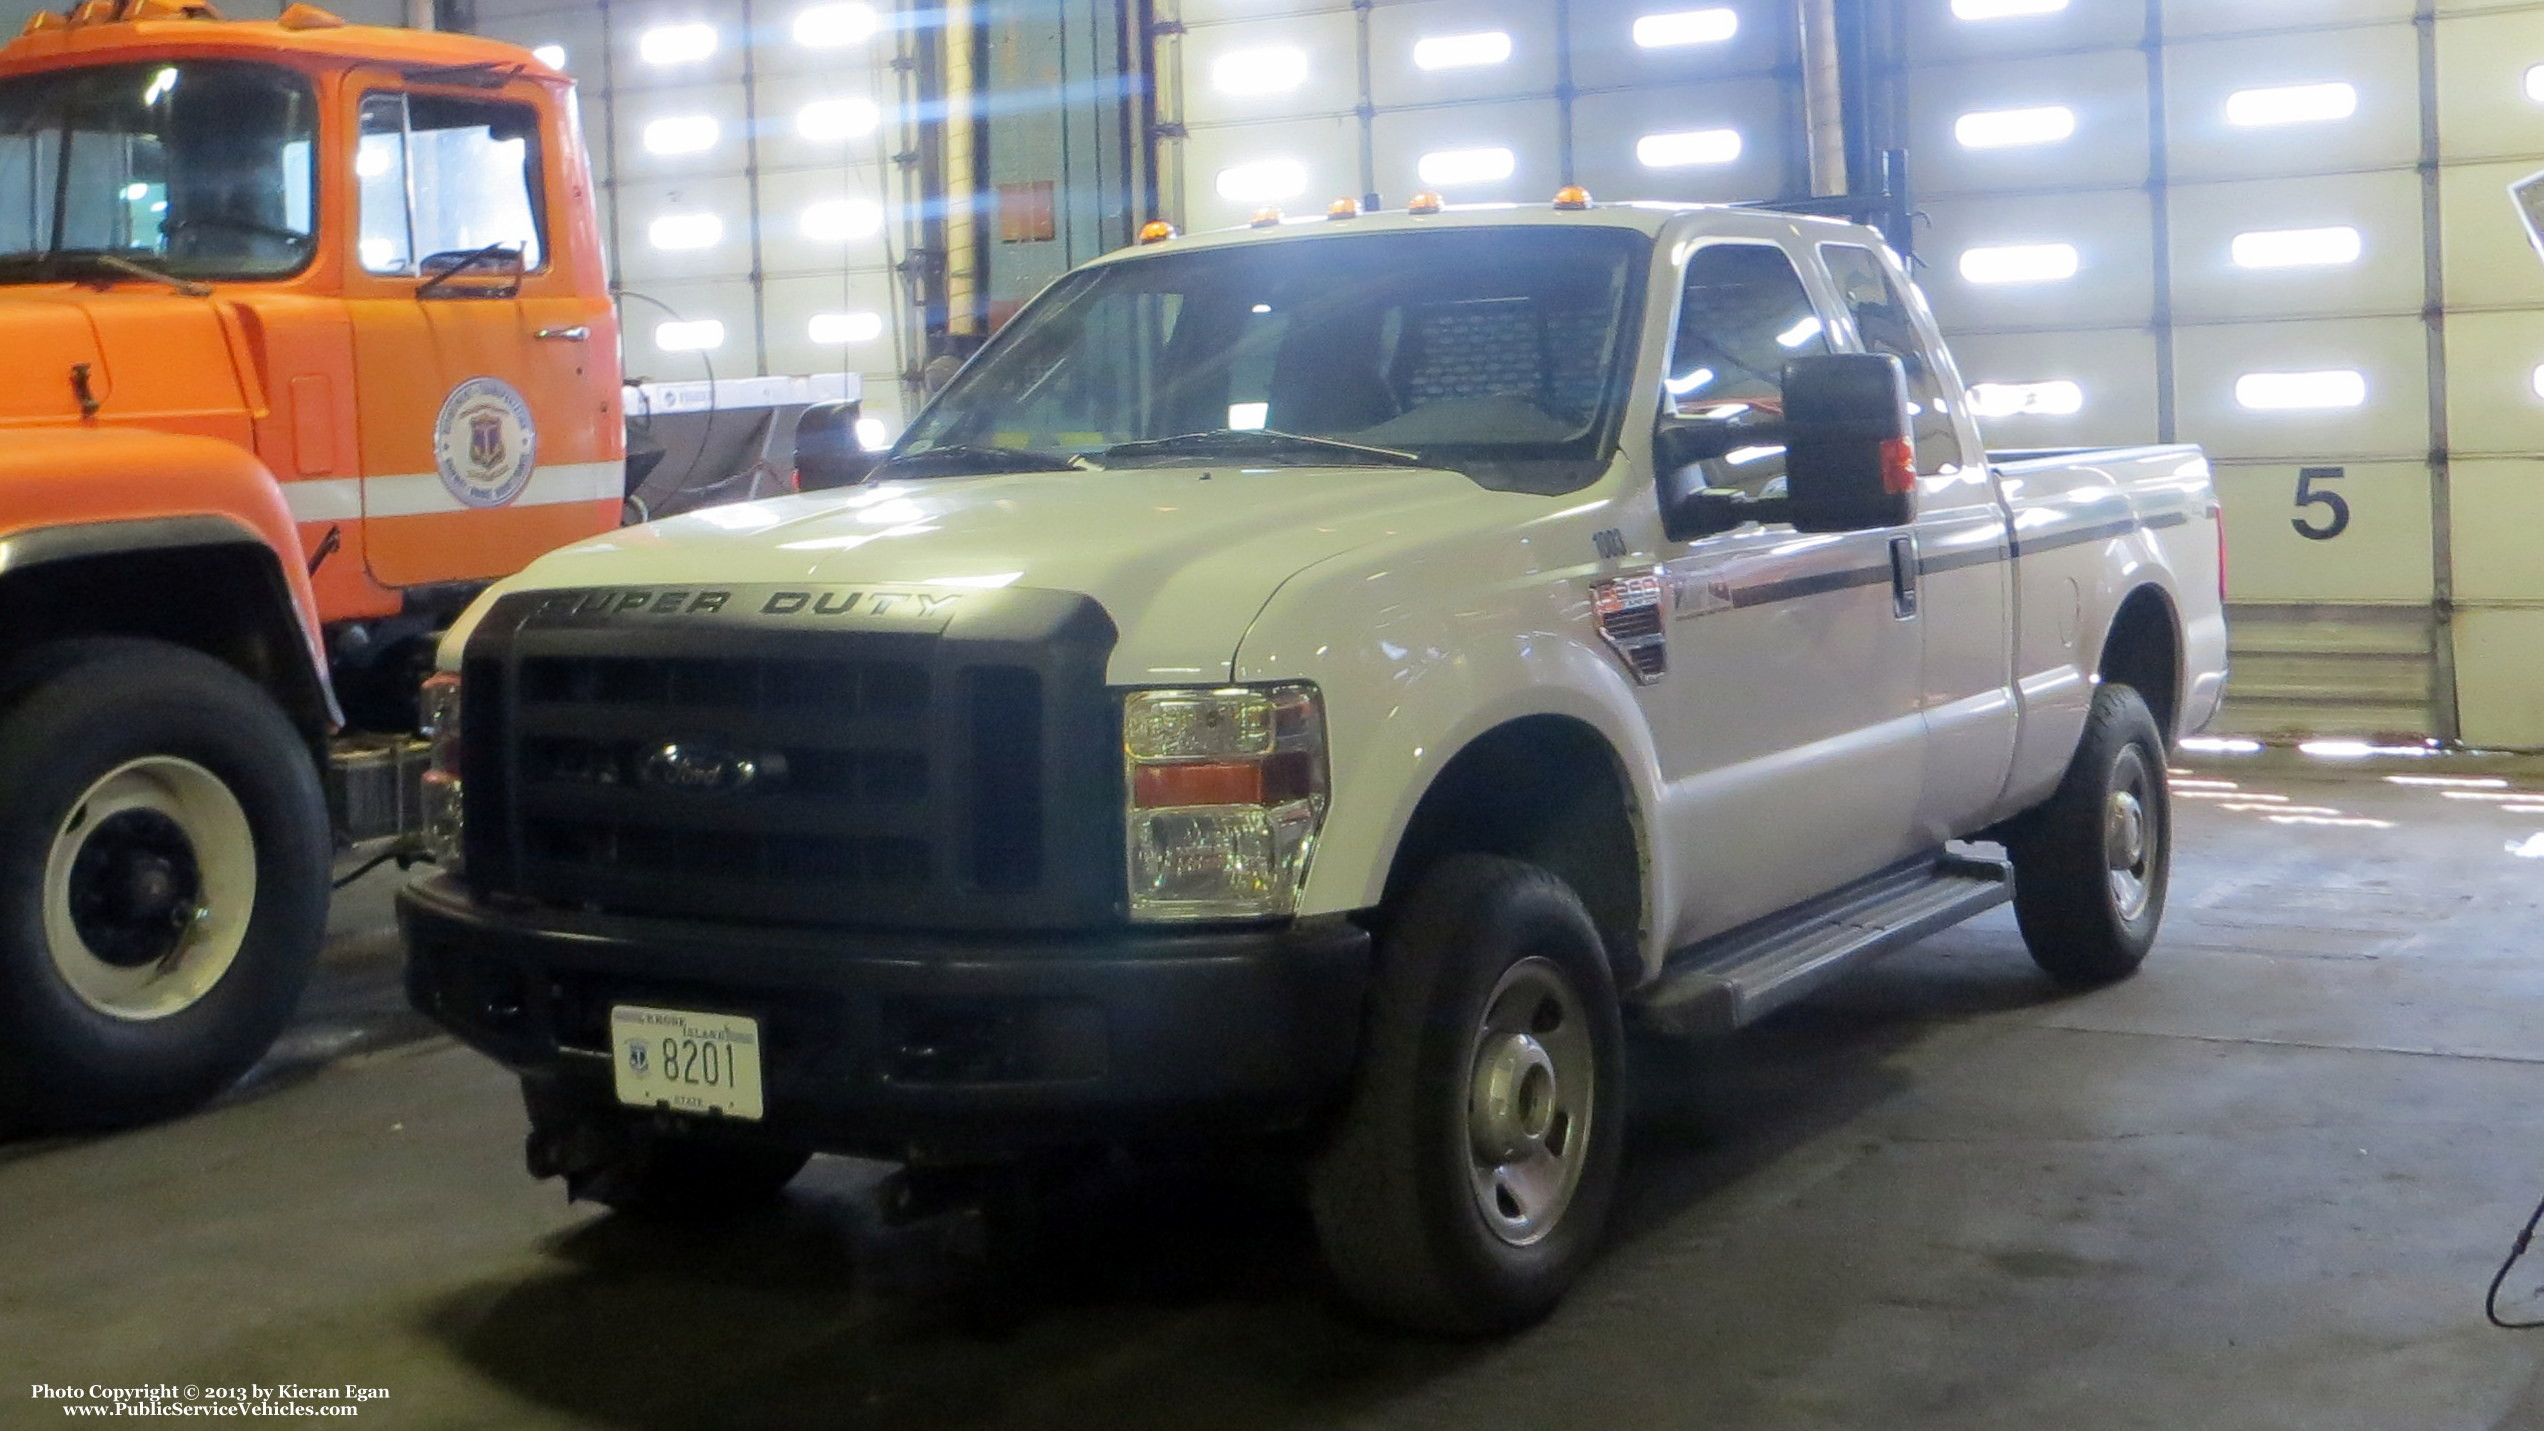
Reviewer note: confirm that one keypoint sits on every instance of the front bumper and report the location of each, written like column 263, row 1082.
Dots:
column 893, row 1044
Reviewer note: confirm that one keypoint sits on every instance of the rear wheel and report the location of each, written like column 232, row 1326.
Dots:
column 1470, row 1178
column 2092, row 863
column 163, row 880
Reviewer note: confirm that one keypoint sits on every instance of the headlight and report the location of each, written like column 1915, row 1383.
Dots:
column 1227, row 791
column 441, row 770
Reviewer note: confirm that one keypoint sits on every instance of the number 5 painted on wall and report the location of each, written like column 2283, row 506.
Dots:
column 2309, row 496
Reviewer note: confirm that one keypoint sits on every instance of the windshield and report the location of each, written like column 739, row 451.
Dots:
column 1487, row 351
column 200, row 169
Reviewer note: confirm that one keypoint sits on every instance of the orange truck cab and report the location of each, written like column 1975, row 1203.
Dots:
column 305, row 336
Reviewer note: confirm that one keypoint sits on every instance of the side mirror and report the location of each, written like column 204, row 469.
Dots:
column 827, row 453
column 1689, row 512
column 1850, row 454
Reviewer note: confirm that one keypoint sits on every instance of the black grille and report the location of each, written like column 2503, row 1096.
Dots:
column 780, row 771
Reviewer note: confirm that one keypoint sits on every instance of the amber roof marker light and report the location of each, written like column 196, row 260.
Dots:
column 1343, row 209
column 1265, row 219
column 1156, row 231
column 1572, row 196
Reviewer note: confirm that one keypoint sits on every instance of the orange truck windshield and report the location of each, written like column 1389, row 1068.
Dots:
column 195, row 169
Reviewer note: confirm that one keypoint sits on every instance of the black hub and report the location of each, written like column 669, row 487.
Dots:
column 135, row 888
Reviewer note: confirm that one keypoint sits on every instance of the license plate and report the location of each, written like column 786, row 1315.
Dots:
column 686, row 1062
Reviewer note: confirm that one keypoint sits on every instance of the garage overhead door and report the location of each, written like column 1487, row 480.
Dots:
column 2281, row 231
column 1293, row 103
column 748, row 197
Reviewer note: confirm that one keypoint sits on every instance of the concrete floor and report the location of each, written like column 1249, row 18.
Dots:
column 2260, row 1186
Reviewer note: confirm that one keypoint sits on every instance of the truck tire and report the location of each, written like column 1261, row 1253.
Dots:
column 164, row 854
column 2092, row 863
column 1469, row 1179
column 673, row 1178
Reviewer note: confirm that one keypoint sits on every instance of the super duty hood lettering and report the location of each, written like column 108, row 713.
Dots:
column 813, row 605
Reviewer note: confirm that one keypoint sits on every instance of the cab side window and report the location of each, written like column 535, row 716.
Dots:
column 1743, row 314
column 443, row 175
column 1882, row 320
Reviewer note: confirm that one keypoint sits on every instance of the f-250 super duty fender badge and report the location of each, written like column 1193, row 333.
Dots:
column 1628, row 610
column 484, row 443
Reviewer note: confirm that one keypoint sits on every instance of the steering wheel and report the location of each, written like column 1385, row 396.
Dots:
column 235, row 225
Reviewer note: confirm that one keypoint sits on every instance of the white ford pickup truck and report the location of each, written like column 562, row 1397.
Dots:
column 1316, row 685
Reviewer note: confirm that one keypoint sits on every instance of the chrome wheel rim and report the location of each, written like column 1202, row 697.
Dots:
column 2130, row 841
column 1532, row 1079
column 148, row 888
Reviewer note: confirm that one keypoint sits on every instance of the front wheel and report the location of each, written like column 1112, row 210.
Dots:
column 1468, row 1183
column 163, row 880
column 2092, row 863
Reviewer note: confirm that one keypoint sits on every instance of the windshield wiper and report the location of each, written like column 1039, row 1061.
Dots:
column 69, row 262
column 1265, row 442
column 959, row 460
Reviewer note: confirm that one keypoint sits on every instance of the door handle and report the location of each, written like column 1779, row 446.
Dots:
column 1903, row 577
column 576, row 334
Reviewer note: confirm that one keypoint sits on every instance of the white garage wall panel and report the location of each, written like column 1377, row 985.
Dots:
column 1292, row 103
column 2290, row 242
column 751, row 210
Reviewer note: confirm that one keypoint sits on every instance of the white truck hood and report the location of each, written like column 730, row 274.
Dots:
column 1181, row 558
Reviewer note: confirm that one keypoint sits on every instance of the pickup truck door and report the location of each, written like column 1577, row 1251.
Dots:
column 1789, row 720
column 1964, row 574
column 478, row 447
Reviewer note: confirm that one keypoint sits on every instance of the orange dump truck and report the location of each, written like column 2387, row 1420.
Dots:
column 304, row 337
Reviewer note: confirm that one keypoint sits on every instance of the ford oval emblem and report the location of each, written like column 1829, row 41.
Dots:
column 697, row 769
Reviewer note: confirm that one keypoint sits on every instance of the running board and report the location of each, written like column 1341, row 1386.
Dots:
column 1734, row 979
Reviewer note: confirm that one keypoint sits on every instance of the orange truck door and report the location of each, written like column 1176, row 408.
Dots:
column 488, row 435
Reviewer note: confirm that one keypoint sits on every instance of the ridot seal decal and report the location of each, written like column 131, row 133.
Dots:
column 484, row 442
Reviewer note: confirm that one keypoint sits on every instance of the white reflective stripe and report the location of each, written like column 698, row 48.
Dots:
column 325, row 499
column 420, row 494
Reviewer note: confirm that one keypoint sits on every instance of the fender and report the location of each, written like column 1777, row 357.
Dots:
column 90, row 492
column 1453, row 653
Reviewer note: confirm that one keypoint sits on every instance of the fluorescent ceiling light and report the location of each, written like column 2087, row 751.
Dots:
column 1444, row 167
column 2536, row 380
column 2004, row 9
column 375, row 156
column 1689, row 147
column 1799, row 334
column 1450, row 52
column 872, row 435
column 681, row 134
column 827, row 27
column 1263, row 181
column 1248, row 416
column 840, row 329
column 2296, row 248
column 2295, row 392
column 1271, row 69
column 838, row 220
column 2055, row 398
column 677, row 232
column 2291, row 104
column 1686, row 27
column 2535, row 84
column 2020, row 263
column 696, row 336
column 2010, row 128
column 553, row 56
column 676, row 44
column 830, row 120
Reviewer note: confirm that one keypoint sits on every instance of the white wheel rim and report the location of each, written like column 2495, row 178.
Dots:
column 1531, row 1083
column 2130, row 847
column 149, row 888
